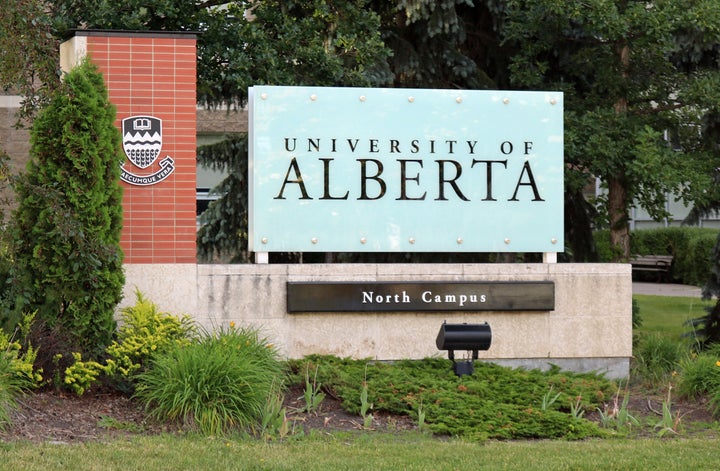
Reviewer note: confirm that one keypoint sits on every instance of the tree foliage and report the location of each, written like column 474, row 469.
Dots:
column 241, row 44
column 66, row 229
column 640, row 80
column 443, row 44
column 313, row 42
column 29, row 65
column 706, row 329
column 224, row 224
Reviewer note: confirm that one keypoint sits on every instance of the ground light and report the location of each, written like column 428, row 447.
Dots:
column 469, row 337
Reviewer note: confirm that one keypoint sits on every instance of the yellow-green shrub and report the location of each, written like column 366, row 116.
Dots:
column 21, row 359
column 82, row 374
column 144, row 331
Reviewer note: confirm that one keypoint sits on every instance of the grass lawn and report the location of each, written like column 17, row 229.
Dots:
column 666, row 315
column 364, row 451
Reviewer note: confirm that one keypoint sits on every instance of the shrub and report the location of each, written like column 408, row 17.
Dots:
column 707, row 327
column 220, row 383
column 636, row 317
column 604, row 249
column 691, row 247
column 11, row 386
column 21, row 359
column 699, row 375
column 82, row 374
column 17, row 372
column 494, row 402
column 144, row 332
column 693, row 260
column 66, row 229
column 656, row 357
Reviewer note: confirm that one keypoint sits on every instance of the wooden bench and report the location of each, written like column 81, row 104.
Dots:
column 659, row 264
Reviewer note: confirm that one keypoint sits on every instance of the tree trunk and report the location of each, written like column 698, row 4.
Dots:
column 617, row 213
column 617, row 191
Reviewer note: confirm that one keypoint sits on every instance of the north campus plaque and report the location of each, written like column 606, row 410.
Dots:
column 420, row 296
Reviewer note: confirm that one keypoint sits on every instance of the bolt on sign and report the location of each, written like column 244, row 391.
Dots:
column 405, row 170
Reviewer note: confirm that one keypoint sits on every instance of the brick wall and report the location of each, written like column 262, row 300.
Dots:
column 152, row 74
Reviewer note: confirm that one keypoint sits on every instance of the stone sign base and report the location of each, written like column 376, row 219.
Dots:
column 590, row 328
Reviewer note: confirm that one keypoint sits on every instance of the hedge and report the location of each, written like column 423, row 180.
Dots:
column 691, row 248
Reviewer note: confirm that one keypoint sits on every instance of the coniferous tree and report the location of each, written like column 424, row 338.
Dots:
column 66, row 229
column 706, row 329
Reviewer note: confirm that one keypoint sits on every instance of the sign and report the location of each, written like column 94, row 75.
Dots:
column 405, row 170
column 427, row 296
column 142, row 143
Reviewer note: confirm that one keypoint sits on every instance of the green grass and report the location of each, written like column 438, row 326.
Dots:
column 667, row 315
column 363, row 451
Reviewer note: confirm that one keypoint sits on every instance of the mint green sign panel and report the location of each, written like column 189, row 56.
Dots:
column 405, row 170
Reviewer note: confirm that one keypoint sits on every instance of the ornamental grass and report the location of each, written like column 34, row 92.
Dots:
column 214, row 386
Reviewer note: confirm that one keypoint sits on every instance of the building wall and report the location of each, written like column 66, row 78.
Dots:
column 589, row 330
column 16, row 142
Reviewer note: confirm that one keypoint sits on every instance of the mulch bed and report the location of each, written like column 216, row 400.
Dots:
column 62, row 417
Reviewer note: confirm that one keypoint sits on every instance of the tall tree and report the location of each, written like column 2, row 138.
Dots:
column 245, row 43
column 66, row 229
column 29, row 64
column 639, row 78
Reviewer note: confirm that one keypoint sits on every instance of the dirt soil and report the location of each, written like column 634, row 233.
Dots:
column 62, row 417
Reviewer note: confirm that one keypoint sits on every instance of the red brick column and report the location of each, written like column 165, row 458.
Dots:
column 151, row 79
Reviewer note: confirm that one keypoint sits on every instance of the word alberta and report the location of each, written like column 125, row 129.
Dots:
column 427, row 297
column 409, row 174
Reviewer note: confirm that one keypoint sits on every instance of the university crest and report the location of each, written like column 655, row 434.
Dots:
column 142, row 143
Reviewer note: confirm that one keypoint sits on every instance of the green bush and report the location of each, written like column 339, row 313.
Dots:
column 66, row 228
column 11, row 386
column 20, row 355
column 605, row 251
column 494, row 402
column 144, row 331
column 17, row 371
column 691, row 248
column 699, row 374
column 218, row 384
column 636, row 316
column 693, row 261
column 82, row 374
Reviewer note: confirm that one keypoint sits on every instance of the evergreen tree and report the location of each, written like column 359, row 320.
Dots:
column 66, row 229
column 706, row 329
